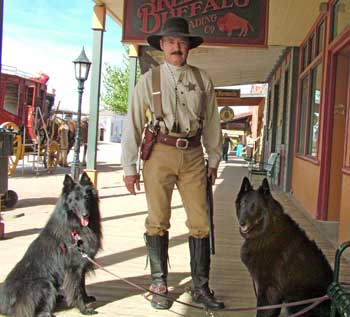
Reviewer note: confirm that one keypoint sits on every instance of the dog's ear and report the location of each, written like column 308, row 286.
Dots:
column 68, row 184
column 265, row 188
column 246, row 186
column 85, row 180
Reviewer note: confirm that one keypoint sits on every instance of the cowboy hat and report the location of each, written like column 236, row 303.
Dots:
column 174, row 26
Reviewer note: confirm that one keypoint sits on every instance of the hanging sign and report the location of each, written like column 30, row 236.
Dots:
column 226, row 114
column 232, row 93
column 219, row 22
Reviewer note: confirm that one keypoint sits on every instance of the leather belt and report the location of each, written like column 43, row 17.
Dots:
column 180, row 143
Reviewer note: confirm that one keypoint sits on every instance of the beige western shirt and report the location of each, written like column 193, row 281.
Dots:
column 188, row 111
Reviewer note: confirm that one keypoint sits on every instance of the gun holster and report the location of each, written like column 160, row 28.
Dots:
column 148, row 141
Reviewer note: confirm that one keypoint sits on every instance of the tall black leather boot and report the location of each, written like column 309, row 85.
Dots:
column 200, row 267
column 157, row 247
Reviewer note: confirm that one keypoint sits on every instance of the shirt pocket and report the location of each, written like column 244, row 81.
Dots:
column 195, row 99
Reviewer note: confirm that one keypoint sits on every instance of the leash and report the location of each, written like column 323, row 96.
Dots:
column 141, row 288
column 313, row 304
column 312, row 301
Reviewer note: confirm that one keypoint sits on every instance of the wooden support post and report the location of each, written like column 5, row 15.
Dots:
column 133, row 55
column 93, row 176
column 98, row 27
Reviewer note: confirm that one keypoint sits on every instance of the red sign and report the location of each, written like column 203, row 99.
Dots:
column 219, row 22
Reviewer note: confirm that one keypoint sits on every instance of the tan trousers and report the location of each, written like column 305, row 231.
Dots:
column 166, row 167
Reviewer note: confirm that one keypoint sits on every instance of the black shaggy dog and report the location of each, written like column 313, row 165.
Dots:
column 53, row 260
column 285, row 265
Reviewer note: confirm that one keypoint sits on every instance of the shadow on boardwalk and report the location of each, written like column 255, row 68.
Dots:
column 124, row 253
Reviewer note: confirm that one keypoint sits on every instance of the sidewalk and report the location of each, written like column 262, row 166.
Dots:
column 124, row 252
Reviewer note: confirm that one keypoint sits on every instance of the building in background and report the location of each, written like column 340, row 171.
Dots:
column 110, row 126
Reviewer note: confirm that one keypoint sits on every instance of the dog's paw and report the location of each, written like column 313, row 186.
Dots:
column 89, row 299
column 89, row 311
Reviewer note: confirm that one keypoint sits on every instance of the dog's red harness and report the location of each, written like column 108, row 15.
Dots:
column 76, row 239
column 76, row 236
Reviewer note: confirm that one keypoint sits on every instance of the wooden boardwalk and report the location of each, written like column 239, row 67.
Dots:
column 124, row 251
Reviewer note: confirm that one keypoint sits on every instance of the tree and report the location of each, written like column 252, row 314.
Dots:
column 116, row 86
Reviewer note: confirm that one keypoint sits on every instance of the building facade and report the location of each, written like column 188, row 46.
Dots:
column 110, row 126
column 308, row 117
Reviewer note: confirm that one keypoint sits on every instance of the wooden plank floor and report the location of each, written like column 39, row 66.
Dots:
column 124, row 252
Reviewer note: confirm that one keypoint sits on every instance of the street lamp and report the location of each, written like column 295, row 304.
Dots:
column 81, row 67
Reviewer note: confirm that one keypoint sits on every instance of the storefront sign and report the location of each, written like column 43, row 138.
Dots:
column 233, row 126
column 219, row 22
column 232, row 93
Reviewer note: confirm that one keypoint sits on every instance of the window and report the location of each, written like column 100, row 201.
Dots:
column 309, row 115
column 29, row 96
column 320, row 38
column 11, row 98
column 269, row 106
column 310, row 87
column 316, row 79
column 341, row 17
column 311, row 54
column 304, row 61
column 302, row 113
column 285, row 106
column 267, row 123
column 276, row 97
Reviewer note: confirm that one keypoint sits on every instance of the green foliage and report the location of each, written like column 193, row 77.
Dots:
column 116, row 86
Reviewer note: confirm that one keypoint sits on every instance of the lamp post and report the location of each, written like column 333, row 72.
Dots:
column 81, row 67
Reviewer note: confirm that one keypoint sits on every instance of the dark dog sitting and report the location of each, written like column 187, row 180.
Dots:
column 53, row 260
column 285, row 265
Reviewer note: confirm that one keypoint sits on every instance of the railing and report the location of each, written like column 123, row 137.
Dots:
column 338, row 292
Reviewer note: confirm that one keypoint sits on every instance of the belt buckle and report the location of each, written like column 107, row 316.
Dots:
column 180, row 146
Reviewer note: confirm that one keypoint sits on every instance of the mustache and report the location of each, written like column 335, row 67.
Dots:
column 176, row 53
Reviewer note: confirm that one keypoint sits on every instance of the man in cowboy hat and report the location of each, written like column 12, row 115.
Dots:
column 177, row 102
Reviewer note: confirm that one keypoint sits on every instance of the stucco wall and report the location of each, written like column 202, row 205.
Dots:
column 305, row 184
column 344, row 224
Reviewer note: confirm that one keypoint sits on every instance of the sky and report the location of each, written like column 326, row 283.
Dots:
column 47, row 35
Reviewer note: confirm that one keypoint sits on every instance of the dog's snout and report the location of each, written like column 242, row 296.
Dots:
column 242, row 223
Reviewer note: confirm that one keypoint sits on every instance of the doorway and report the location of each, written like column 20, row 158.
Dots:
column 340, row 109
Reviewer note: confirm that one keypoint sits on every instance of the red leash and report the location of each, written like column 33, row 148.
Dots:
column 312, row 301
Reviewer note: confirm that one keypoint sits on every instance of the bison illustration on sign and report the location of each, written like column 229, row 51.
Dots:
column 230, row 22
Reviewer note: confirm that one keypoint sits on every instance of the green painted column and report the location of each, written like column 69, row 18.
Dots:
column 133, row 56
column 99, row 15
